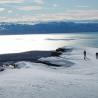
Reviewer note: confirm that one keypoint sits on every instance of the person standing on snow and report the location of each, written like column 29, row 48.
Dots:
column 84, row 55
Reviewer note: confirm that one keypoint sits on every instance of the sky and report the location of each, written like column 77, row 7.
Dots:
column 47, row 10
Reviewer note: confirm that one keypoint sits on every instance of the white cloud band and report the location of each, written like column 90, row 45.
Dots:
column 11, row 1
column 68, row 15
column 29, row 8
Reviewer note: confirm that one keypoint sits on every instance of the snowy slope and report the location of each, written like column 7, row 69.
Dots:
column 33, row 80
column 75, row 59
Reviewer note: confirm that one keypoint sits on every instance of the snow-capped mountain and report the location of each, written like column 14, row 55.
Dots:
column 49, row 27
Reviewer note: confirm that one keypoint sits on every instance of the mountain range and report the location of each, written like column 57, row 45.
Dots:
column 48, row 27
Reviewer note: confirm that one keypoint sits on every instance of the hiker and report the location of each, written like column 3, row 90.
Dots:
column 84, row 55
column 96, row 55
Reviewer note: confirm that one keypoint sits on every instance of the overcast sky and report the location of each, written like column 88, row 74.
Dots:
column 47, row 10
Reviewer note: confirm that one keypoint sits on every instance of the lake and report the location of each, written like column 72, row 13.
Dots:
column 21, row 43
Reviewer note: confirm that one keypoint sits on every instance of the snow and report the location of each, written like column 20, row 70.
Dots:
column 36, row 80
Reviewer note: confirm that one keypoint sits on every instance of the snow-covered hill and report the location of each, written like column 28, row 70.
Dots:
column 76, row 78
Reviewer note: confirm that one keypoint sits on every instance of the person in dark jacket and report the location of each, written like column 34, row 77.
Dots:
column 84, row 55
column 96, row 55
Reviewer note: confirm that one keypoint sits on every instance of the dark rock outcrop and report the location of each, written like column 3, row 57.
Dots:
column 2, row 68
column 24, row 56
column 55, row 53
column 60, row 50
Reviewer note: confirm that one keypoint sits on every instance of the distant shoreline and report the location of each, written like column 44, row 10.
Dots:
column 50, row 33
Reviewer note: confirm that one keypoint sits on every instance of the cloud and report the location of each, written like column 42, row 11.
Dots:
column 40, row 2
column 55, row 5
column 67, row 15
column 71, row 15
column 11, row 1
column 2, row 9
column 83, row 6
column 10, row 11
column 18, row 19
column 29, row 8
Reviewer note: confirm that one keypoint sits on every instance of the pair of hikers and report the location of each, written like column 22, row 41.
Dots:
column 85, row 57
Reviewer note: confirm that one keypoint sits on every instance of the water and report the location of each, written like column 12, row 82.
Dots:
column 20, row 43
